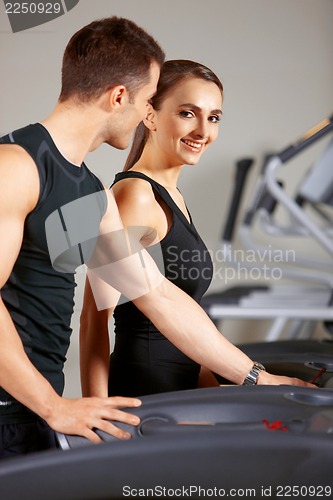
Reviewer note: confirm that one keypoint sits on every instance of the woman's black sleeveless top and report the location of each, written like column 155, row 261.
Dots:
column 144, row 361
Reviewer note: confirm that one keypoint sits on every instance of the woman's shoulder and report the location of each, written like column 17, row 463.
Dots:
column 135, row 191
column 138, row 204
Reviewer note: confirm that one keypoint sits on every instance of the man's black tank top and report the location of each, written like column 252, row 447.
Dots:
column 144, row 361
column 39, row 294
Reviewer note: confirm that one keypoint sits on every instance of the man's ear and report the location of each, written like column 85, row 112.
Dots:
column 117, row 97
column 150, row 120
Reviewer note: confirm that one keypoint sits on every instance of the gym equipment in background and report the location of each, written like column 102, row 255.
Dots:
column 308, row 299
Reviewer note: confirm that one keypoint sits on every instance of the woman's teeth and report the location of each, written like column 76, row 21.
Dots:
column 194, row 145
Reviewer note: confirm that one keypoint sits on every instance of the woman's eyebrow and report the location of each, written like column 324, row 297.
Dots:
column 197, row 108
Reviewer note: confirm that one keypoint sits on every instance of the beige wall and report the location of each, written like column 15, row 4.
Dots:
column 275, row 59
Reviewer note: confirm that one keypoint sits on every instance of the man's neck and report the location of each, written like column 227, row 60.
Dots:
column 74, row 130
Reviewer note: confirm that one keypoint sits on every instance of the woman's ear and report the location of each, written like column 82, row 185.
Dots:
column 150, row 120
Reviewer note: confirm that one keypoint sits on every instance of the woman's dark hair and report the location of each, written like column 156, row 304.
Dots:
column 105, row 53
column 172, row 72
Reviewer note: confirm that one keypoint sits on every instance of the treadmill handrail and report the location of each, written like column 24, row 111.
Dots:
column 308, row 138
column 272, row 185
column 242, row 169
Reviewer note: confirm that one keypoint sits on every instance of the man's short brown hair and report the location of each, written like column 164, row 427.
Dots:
column 105, row 53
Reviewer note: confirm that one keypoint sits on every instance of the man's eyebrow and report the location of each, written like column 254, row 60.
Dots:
column 197, row 108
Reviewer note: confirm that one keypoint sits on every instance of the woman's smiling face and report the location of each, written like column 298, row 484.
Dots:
column 187, row 121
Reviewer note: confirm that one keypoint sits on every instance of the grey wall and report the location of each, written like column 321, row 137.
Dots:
column 275, row 59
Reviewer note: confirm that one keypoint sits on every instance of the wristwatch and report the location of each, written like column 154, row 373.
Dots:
column 252, row 377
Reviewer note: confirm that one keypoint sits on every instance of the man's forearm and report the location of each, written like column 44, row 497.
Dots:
column 18, row 376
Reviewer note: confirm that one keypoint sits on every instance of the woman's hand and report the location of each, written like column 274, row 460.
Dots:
column 266, row 378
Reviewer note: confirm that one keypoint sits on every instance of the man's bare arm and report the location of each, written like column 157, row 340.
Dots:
column 19, row 190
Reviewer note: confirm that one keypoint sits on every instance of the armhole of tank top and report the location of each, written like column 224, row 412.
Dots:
column 157, row 194
column 102, row 189
column 143, row 177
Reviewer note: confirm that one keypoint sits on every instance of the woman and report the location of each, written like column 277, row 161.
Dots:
column 182, row 121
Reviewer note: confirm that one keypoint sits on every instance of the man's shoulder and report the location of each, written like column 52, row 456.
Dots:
column 19, row 176
column 15, row 156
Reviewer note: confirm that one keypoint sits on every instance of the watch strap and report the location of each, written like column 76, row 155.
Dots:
column 252, row 377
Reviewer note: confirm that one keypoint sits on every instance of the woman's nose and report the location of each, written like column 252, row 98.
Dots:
column 202, row 129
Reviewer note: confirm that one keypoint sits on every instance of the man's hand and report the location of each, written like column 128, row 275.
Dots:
column 82, row 416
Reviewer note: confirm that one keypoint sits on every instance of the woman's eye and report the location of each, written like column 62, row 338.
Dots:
column 186, row 114
column 215, row 118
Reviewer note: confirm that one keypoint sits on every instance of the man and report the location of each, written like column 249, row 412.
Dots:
column 110, row 71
